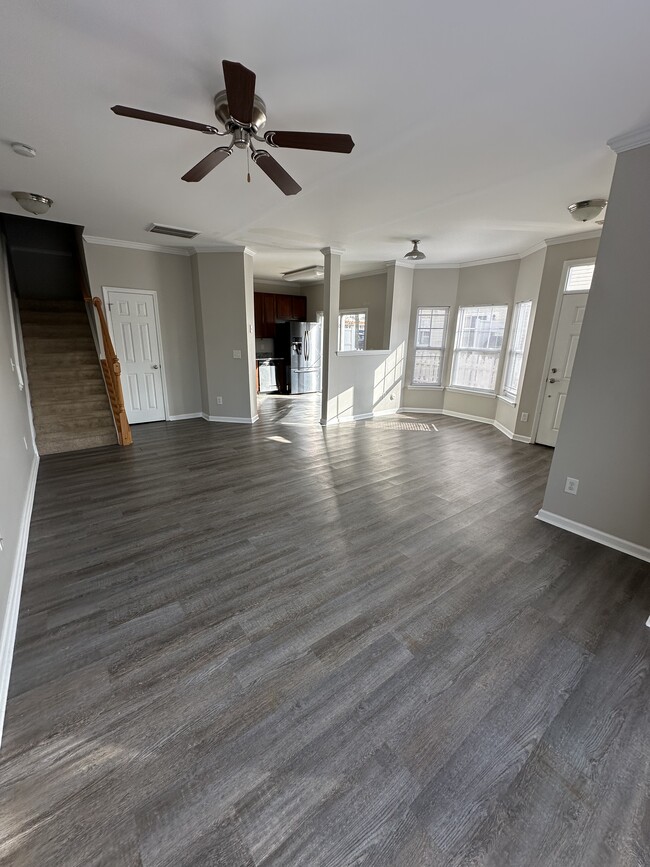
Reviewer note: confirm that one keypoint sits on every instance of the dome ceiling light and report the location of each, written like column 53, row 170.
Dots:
column 587, row 210
column 415, row 254
column 33, row 203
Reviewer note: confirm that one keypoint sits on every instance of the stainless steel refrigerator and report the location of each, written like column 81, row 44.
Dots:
column 304, row 356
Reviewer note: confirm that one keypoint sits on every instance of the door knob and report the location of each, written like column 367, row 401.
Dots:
column 154, row 366
column 552, row 380
column 554, row 370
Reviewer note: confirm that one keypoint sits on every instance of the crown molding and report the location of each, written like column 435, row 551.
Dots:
column 398, row 263
column 332, row 251
column 136, row 245
column 495, row 260
column 630, row 140
column 377, row 272
column 568, row 239
column 227, row 248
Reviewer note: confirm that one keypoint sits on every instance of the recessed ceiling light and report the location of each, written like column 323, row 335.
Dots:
column 22, row 149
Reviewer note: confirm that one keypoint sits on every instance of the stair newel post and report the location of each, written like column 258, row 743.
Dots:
column 113, row 371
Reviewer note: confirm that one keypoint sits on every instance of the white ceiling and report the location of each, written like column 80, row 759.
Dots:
column 475, row 123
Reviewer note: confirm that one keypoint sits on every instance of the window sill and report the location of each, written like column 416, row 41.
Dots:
column 508, row 400
column 475, row 391
column 426, row 385
column 355, row 353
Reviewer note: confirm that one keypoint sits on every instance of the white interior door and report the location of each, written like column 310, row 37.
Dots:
column 558, row 376
column 132, row 318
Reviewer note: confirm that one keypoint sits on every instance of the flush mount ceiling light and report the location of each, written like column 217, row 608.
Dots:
column 415, row 254
column 22, row 149
column 33, row 203
column 314, row 272
column 587, row 210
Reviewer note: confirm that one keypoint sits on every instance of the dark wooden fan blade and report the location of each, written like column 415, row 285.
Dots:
column 274, row 170
column 240, row 87
column 311, row 141
column 201, row 169
column 125, row 111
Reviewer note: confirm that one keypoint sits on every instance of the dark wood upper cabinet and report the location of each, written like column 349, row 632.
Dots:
column 299, row 308
column 283, row 307
column 271, row 308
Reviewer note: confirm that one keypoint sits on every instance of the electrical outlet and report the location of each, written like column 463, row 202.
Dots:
column 219, row 399
column 236, row 353
column 524, row 416
column 571, row 486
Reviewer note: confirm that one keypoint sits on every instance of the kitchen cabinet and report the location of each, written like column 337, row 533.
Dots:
column 271, row 308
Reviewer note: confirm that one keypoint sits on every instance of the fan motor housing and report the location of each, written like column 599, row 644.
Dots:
column 222, row 112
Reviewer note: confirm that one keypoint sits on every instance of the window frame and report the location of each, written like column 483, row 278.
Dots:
column 498, row 353
column 568, row 267
column 511, row 352
column 421, row 348
column 339, row 331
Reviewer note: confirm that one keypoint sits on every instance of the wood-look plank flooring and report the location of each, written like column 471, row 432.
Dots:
column 280, row 645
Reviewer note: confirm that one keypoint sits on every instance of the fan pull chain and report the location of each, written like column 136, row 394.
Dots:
column 248, row 165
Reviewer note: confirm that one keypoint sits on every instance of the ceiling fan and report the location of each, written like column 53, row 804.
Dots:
column 243, row 114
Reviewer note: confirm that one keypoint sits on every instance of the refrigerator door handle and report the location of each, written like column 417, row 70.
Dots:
column 306, row 345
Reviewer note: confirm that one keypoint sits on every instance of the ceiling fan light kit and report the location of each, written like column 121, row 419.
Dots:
column 33, row 203
column 415, row 255
column 587, row 210
column 243, row 114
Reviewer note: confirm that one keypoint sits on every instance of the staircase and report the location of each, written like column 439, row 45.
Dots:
column 70, row 406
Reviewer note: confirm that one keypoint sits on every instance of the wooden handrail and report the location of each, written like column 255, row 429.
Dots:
column 112, row 376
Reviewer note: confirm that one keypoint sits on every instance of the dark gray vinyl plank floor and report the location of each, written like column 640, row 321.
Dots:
column 280, row 645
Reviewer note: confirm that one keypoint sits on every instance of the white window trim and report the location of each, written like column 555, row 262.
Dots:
column 566, row 270
column 347, row 312
column 442, row 348
column 492, row 392
column 503, row 394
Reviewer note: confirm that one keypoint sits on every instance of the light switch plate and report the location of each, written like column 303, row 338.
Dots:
column 236, row 353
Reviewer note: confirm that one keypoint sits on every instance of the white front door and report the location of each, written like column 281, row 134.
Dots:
column 132, row 320
column 558, row 375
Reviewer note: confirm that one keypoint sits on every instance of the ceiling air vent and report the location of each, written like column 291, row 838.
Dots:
column 174, row 231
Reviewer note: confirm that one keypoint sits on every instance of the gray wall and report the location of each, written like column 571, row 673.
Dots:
column 555, row 257
column 493, row 283
column 604, row 439
column 225, row 316
column 356, row 292
column 170, row 276
column 17, row 472
column 529, row 280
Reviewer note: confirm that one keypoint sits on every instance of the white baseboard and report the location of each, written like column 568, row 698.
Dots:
column 512, row 436
column 595, row 535
column 8, row 634
column 184, row 416
column 481, row 419
column 419, row 410
column 229, row 419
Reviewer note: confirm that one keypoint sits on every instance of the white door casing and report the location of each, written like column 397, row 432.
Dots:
column 558, row 375
column 133, row 322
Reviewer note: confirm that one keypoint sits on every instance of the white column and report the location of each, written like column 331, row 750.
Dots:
column 331, row 295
